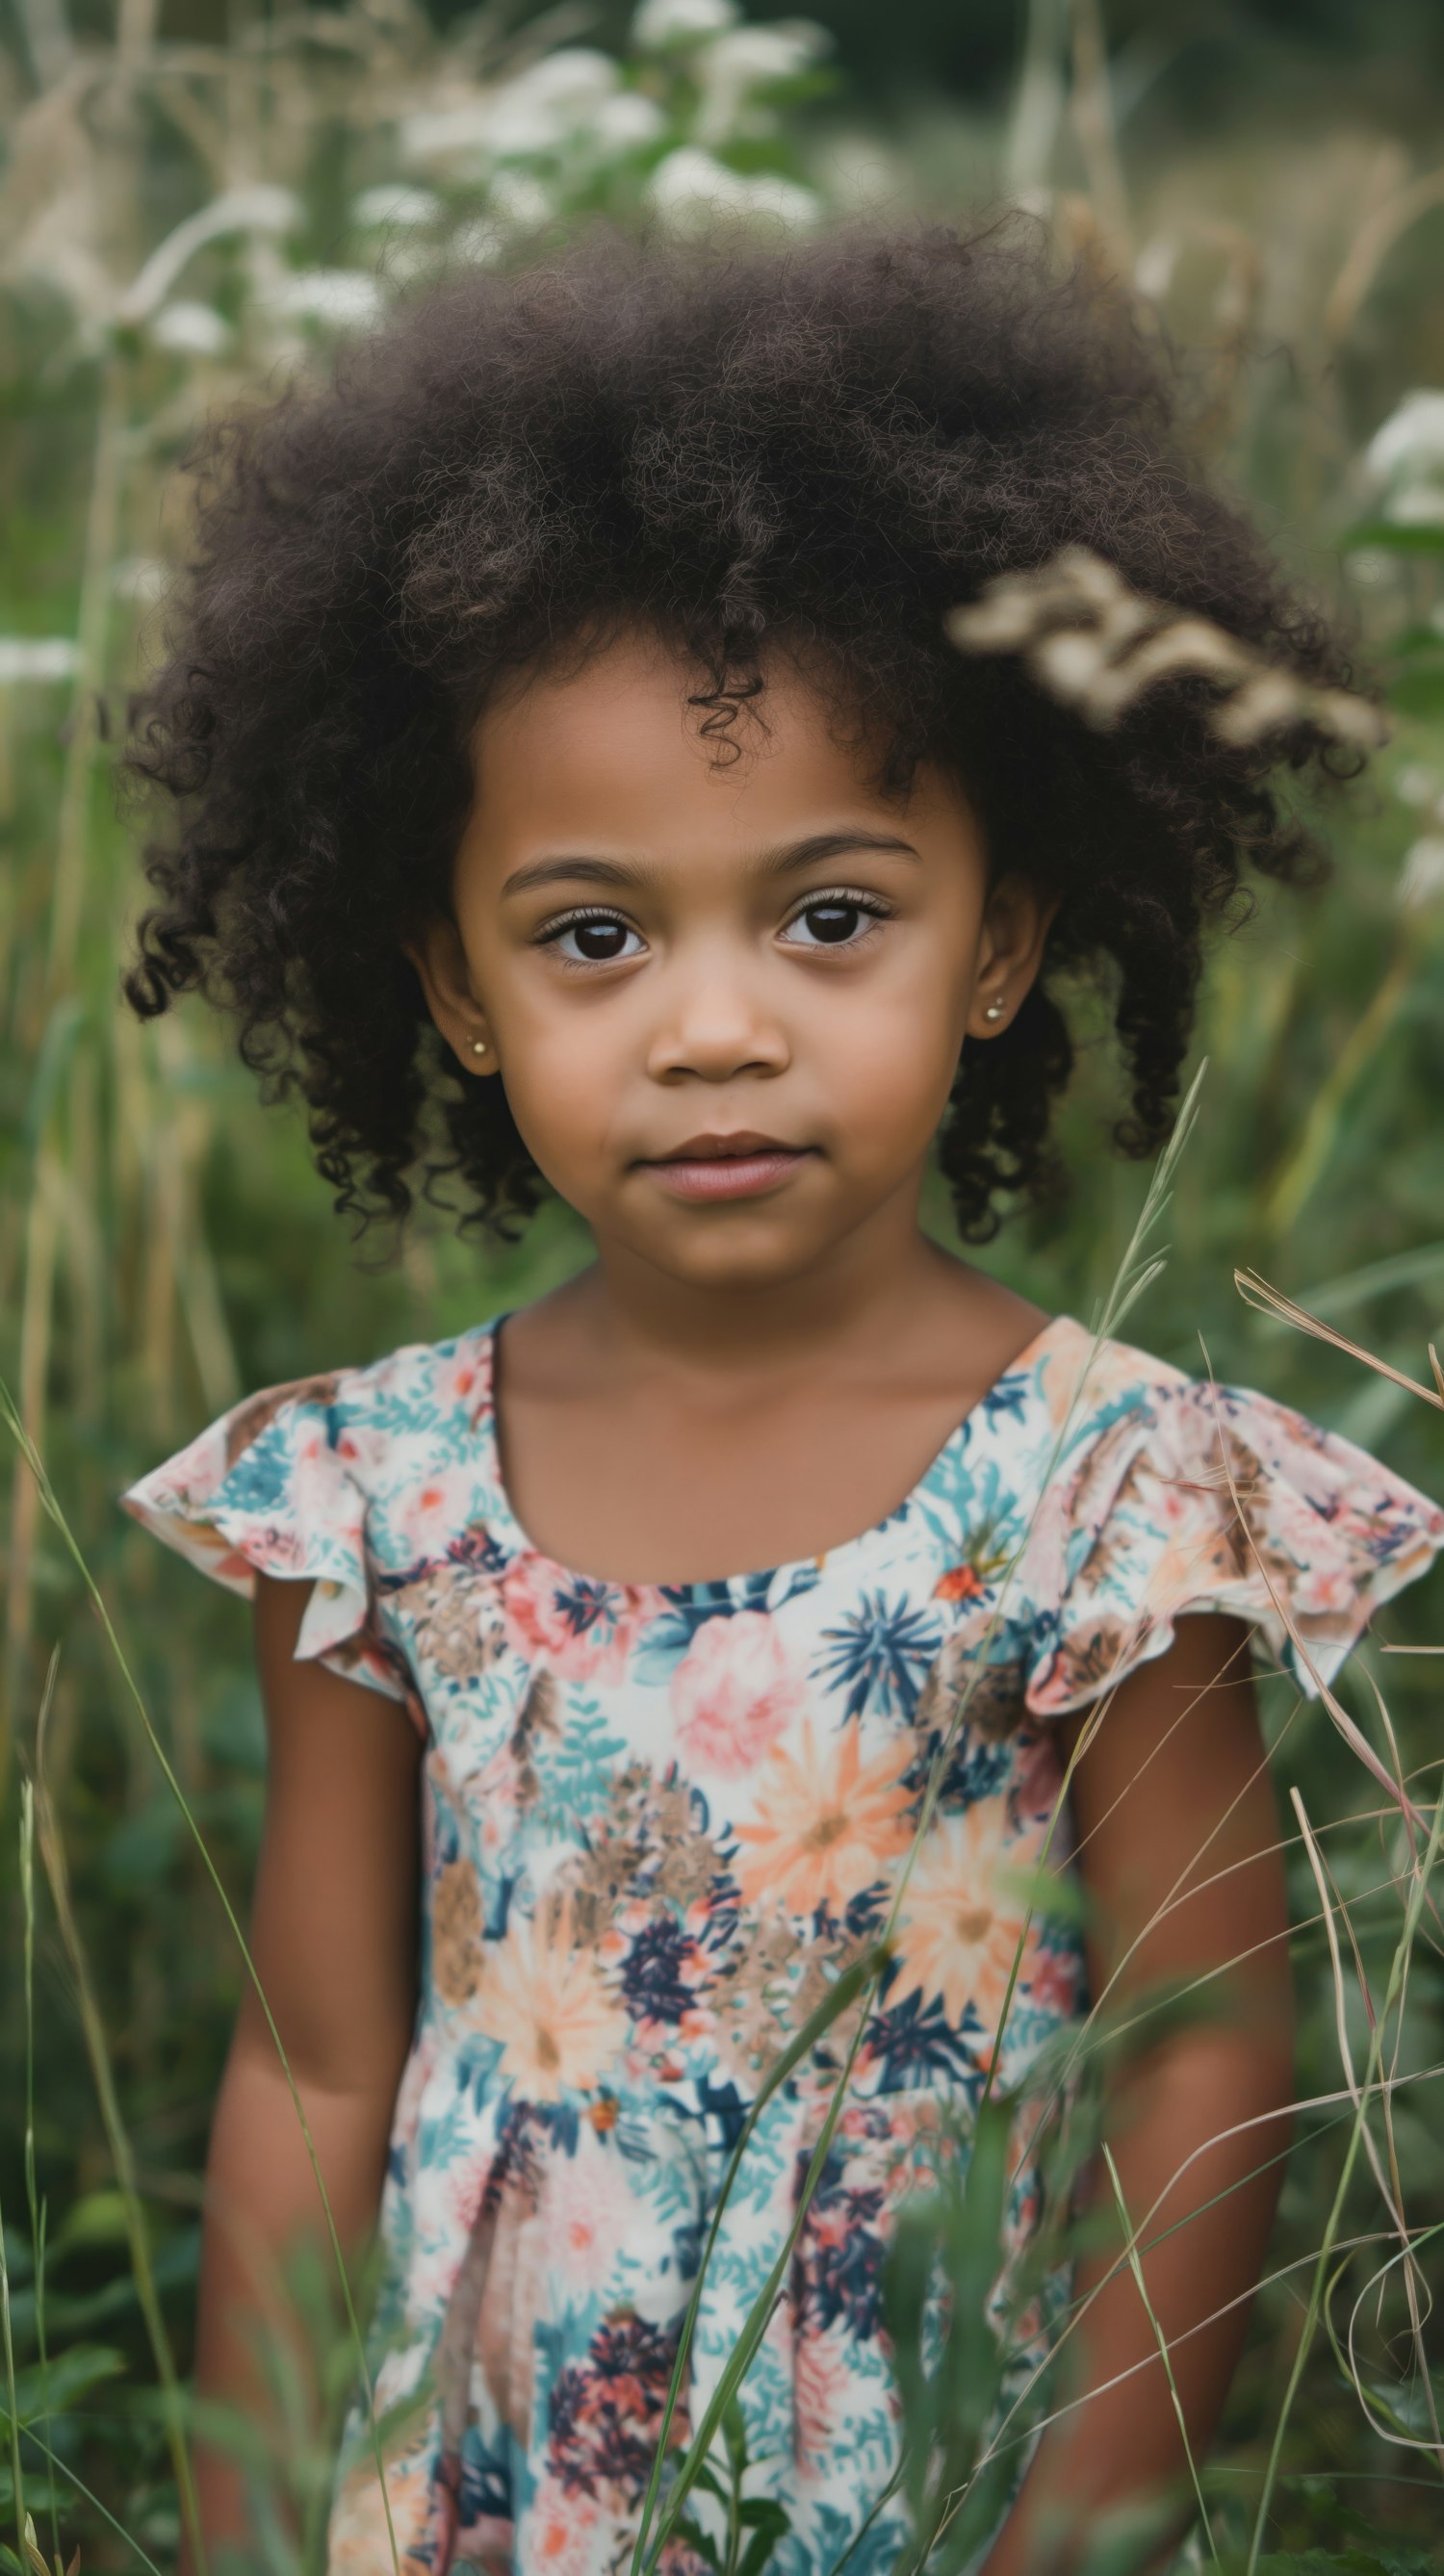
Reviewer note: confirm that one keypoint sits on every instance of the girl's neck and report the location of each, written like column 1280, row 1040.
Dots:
column 868, row 1291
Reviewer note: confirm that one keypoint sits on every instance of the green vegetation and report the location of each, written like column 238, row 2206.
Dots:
column 181, row 220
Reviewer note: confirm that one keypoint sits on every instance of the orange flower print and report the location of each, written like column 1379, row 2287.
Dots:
column 960, row 1923
column 360, row 2535
column 960, row 1583
column 543, row 1997
column 826, row 1823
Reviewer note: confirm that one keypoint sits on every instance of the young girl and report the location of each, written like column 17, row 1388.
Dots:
column 576, row 790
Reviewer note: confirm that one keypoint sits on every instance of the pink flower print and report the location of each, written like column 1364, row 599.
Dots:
column 1052, row 1983
column 735, row 1693
column 821, row 2386
column 581, row 1626
column 589, row 2212
column 435, row 1509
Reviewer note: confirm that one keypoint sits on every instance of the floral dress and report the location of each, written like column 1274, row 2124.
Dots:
column 658, row 1820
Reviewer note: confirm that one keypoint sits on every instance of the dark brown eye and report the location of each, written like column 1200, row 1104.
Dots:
column 831, row 925
column 595, row 941
column 599, row 940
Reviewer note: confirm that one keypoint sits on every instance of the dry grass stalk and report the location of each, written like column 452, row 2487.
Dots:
column 1376, row 238
column 1099, row 646
column 1257, row 1293
column 1093, row 123
column 1331, row 1902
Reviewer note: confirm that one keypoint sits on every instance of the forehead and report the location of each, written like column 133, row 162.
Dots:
column 615, row 749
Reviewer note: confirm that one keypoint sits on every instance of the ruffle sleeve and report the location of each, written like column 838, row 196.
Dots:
column 268, row 1490
column 1200, row 1497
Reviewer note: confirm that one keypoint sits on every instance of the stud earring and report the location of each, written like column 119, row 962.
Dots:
column 996, row 1011
column 478, row 1046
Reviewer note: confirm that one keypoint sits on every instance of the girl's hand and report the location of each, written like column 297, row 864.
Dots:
column 333, row 1938
column 1179, row 1851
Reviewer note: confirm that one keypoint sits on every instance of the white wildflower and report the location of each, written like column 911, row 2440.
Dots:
column 1416, row 785
column 538, row 112
column 1412, row 435
column 690, row 187
column 662, row 23
column 346, row 299
column 521, row 201
column 393, row 208
column 1418, row 505
column 37, row 657
column 626, row 122
column 447, row 134
column 191, row 330
column 748, row 60
column 550, row 102
column 1153, row 270
column 1404, row 460
column 1421, row 879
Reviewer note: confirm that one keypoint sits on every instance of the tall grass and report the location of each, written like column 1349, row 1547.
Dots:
column 163, row 1244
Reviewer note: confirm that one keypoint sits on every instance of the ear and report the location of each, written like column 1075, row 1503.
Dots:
column 440, row 961
column 1015, row 932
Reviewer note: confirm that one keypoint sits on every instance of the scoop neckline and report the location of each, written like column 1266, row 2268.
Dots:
column 758, row 1579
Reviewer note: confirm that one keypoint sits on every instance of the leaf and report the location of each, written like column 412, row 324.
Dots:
column 1394, row 536
column 1051, row 1894
column 97, row 2219
column 976, row 2517
column 972, row 2365
column 697, row 2539
column 56, row 2388
column 906, row 2272
column 765, row 2512
column 1418, row 690
column 758, row 2550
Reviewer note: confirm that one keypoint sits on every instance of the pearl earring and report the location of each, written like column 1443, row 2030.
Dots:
column 996, row 1011
column 478, row 1046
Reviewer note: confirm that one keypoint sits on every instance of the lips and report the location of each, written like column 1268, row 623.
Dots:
column 732, row 1147
column 737, row 1165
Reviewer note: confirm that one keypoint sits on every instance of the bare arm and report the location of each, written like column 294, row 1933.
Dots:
column 333, row 1939
column 1179, row 1851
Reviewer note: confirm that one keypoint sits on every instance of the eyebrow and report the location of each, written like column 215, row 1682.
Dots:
column 579, row 868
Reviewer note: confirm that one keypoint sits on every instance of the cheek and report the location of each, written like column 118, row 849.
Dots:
column 565, row 1073
column 890, row 1042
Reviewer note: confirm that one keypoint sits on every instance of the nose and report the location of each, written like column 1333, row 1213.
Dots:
column 714, row 1024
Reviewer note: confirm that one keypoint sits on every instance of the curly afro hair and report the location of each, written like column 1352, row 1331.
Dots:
column 821, row 448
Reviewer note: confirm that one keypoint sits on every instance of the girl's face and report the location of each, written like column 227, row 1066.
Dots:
column 727, row 1002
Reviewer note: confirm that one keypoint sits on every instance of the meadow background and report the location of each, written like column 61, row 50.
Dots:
column 199, row 198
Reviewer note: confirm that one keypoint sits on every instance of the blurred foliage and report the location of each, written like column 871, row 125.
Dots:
column 184, row 217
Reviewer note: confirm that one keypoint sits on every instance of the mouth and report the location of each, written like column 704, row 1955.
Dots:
column 740, row 1165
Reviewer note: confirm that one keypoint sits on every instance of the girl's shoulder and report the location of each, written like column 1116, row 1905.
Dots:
column 409, row 1396
column 296, row 1481
column 1159, row 1494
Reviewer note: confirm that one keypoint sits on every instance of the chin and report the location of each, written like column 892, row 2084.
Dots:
column 740, row 1258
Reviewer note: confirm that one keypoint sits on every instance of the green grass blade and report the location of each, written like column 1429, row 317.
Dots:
column 845, row 1991
column 52, row 1507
